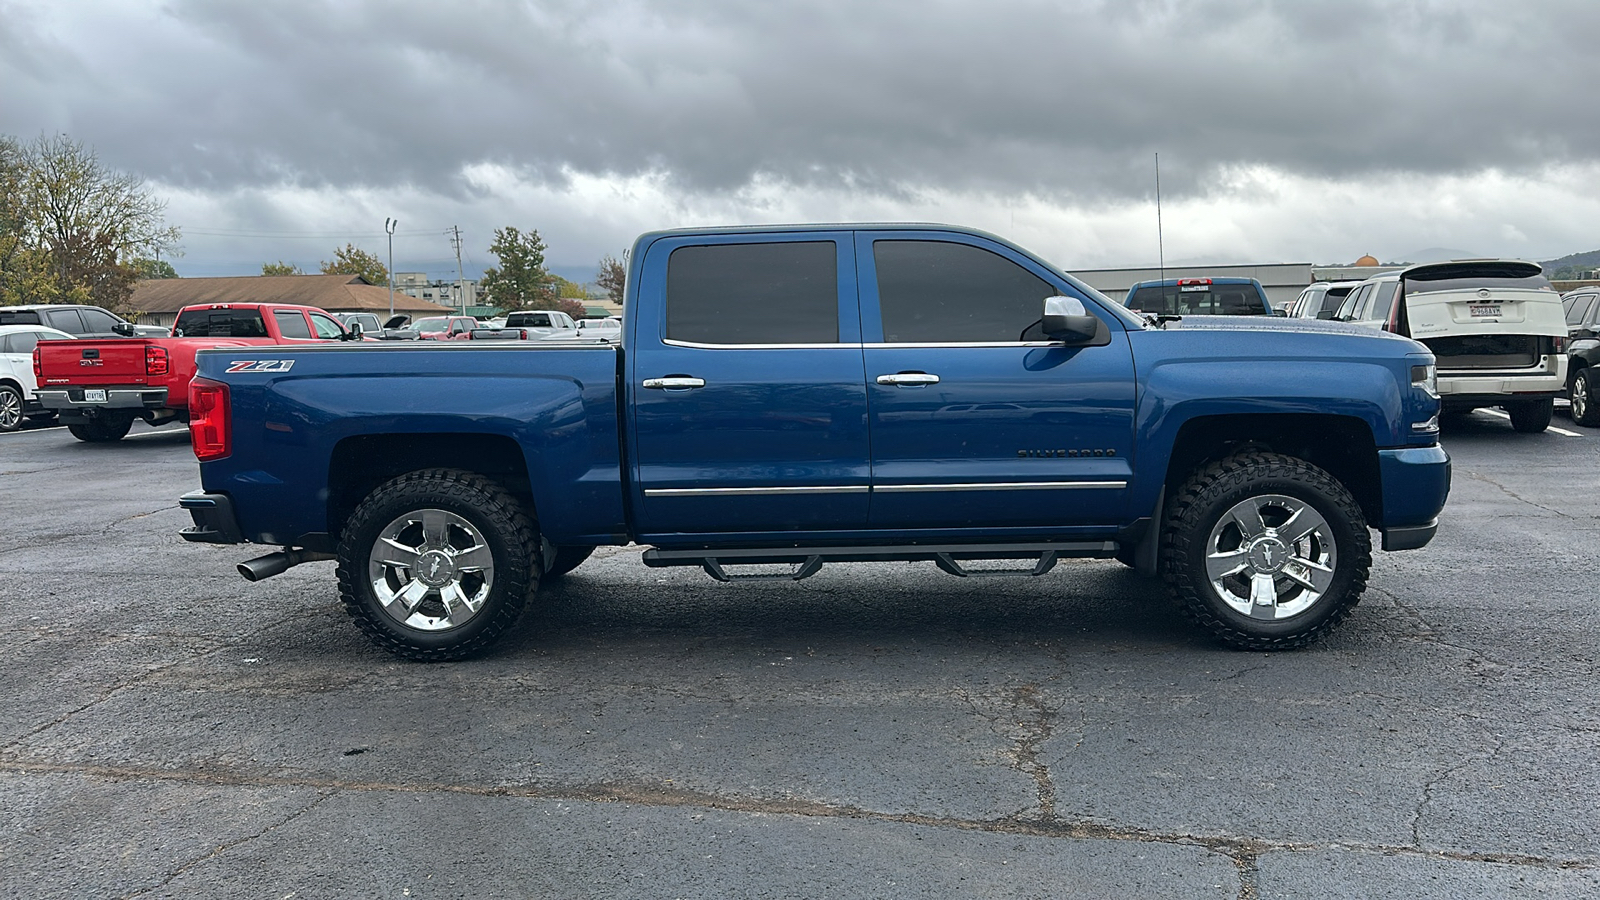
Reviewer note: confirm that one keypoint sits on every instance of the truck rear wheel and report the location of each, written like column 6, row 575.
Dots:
column 566, row 559
column 1265, row 551
column 438, row 564
column 104, row 430
column 1531, row 416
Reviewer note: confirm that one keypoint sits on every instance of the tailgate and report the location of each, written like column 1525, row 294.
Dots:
column 92, row 362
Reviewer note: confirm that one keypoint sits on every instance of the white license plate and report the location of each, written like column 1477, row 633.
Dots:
column 1484, row 311
column 94, row 396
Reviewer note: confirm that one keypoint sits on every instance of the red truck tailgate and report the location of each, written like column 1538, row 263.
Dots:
column 94, row 362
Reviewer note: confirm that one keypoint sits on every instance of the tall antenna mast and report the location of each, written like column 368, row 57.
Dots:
column 1161, row 247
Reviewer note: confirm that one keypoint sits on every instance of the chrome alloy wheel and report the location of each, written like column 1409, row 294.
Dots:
column 1271, row 557
column 431, row 570
column 1579, row 396
column 10, row 410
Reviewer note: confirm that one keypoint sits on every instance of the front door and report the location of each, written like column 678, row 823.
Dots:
column 977, row 421
column 746, row 386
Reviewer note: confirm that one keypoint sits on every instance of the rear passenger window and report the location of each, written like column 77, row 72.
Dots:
column 1384, row 301
column 66, row 320
column 1578, row 308
column 20, row 342
column 943, row 292
column 292, row 324
column 761, row 293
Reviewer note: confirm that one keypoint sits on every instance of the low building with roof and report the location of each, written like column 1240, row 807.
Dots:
column 158, row 300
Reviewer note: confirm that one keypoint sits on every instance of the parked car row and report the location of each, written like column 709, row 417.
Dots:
column 105, row 373
column 1497, row 327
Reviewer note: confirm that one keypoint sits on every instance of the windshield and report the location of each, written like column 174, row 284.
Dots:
column 1197, row 300
column 429, row 326
column 238, row 323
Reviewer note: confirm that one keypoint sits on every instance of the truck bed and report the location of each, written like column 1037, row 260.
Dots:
column 341, row 407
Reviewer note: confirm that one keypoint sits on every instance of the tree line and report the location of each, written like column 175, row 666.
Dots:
column 73, row 230
column 519, row 281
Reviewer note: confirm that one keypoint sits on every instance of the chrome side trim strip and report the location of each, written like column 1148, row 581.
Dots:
column 885, row 488
column 698, row 346
column 935, row 345
column 1000, row 486
column 756, row 491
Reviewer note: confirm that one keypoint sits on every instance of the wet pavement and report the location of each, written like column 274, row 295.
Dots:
column 874, row 731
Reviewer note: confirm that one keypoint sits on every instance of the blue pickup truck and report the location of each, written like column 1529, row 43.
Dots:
column 787, row 397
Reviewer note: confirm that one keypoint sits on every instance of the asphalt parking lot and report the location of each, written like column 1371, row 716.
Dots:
column 875, row 731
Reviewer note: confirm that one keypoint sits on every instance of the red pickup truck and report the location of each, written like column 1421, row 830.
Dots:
column 99, row 387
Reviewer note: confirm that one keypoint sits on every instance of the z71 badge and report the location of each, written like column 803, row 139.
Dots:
column 261, row 365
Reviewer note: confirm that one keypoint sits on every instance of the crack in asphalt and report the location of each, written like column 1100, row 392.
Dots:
column 1034, row 731
column 1475, row 476
column 1432, row 634
column 1244, row 851
column 224, row 848
column 109, row 692
column 1427, row 789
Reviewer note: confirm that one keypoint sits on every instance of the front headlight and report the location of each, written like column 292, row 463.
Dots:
column 1426, row 378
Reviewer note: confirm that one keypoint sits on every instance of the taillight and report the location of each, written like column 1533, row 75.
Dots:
column 524, row 332
column 210, row 431
column 1557, row 345
column 155, row 360
column 38, row 370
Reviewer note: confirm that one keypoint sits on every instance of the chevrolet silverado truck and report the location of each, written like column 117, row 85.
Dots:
column 788, row 397
column 99, row 387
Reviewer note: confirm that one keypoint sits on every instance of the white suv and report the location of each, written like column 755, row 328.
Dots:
column 1495, row 325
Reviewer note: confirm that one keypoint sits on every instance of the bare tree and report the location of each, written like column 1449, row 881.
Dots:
column 82, row 224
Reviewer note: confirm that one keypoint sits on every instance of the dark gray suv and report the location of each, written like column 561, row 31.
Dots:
column 76, row 320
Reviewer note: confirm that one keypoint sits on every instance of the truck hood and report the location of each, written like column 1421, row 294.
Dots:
column 1273, row 324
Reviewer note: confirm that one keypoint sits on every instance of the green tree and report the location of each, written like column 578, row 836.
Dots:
column 282, row 268
column 71, row 228
column 352, row 260
column 520, row 281
column 613, row 277
column 570, row 290
column 146, row 269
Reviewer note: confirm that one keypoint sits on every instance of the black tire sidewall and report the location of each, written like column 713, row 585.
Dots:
column 21, row 409
column 1255, row 477
column 515, row 573
column 1585, row 382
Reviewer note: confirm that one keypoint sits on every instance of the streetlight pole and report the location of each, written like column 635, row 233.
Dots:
column 388, row 226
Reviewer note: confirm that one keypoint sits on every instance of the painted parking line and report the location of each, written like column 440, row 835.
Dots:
column 1496, row 412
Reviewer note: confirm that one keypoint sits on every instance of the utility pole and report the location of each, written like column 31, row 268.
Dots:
column 461, row 275
column 389, row 226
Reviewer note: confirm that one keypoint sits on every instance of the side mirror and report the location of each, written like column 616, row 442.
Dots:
column 123, row 328
column 354, row 333
column 1066, row 320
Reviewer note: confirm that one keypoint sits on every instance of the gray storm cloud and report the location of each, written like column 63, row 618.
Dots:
column 1065, row 100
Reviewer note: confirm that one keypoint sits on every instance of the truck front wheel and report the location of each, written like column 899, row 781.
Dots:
column 438, row 564
column 1265, row 551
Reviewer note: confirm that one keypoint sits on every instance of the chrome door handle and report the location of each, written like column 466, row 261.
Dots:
column 911, row 378
column 675, row 382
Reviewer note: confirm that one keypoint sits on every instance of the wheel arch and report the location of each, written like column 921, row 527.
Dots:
column 362, row 462
column 1342, row 446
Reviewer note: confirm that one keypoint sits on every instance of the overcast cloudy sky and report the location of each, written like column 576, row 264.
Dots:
column 1301, row 130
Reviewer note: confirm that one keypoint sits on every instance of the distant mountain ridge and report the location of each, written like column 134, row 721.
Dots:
column 1588, row 260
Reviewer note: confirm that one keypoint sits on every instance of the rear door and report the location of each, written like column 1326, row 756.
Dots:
column 977, row 421
column 746, row 388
